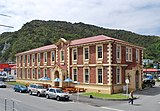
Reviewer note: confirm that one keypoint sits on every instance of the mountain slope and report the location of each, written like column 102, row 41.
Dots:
column 39, row 33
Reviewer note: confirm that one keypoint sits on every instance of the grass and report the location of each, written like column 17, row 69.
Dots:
column 106, row 96
column 14, row 83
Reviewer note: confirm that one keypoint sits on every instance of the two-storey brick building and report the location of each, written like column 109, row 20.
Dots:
column 98, row 63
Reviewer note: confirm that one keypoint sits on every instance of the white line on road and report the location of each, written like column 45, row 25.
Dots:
column 16, row 100
column 113, row 109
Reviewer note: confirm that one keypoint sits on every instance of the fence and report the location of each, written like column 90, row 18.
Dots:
column 9, row 105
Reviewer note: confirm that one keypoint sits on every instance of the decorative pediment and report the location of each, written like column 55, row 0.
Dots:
column 61, row 42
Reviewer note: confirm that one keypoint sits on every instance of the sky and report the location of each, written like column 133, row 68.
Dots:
column 139, row 16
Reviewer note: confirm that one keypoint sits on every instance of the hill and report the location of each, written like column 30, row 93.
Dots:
column 39, row 33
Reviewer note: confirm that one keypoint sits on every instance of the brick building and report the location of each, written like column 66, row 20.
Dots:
column 99, row 63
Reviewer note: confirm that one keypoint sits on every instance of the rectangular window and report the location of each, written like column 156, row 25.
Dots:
column 62, row 56
column 28, row 73
column 24, row 59
column 45, row 57
column 118, row 52
column 39, row 73
column 45, row 72
column 33, row 58
column 99, row 50
column 99, row 75
column 74, row 54
column 118, row 77
column 33, row 73
column 129, row 54
column 53, row 56
column 28, row 57
column 86, row 53
column 39, row 57
column 75, row 74
column 86, row 71
column 137, row 55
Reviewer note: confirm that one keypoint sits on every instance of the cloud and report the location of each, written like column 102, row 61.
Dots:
column 137, row 16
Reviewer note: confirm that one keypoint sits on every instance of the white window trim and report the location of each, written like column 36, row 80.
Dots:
column 33, row 71
column 33, row 62
column 44, row 72
column 118, row 59
column 28, row 60
column 120, row 77
column 45, row 62
column 28, row 73
column 24, row 59
column 53, row 62
column 61, row 56
column 99, row 59
column 97, row 75
column 85, row 60
column 73, row 74
column 85, row 74
column 74, row 61
column 19, row 61
column 38, row 69
column 129, row 53
column 38, row 57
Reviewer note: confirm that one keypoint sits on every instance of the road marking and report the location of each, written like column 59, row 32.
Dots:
column 16, row 100
column 112, row 109
column 158, row 102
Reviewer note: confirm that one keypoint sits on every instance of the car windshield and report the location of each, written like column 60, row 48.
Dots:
column 40, row 87
column 59, row 91
column 23, row 86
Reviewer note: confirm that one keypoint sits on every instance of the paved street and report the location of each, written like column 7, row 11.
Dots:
column 149, row 101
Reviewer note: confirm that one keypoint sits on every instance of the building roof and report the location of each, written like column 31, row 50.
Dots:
column 77, row 42
column 48, row 47
column 98, row 39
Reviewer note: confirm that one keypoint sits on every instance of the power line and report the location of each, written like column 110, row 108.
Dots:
column 5, row 15
column 6, row 26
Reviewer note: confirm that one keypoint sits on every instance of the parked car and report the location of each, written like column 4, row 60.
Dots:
column 20, row 88
column 10, row 77
column 37, row 89
column 148, row 81
column 2, row 85
column 57, row 93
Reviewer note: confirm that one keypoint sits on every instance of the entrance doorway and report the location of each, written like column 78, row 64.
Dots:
column 56, row 75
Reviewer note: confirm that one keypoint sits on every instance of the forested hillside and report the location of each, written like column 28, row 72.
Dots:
column 39, row 33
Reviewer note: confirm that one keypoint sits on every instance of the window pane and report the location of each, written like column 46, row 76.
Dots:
column 86, row 76
column 52, row 56
column 62, row 55
column 75, row 74
column 99, row 75
column 86, row 53
column 99, row 51
column 74, row 54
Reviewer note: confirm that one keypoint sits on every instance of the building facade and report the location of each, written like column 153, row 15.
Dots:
column 98, row 64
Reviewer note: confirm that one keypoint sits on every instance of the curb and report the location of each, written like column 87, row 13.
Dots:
column 105, row 99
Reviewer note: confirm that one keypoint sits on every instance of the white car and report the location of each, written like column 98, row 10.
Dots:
column 2, row 85
column 57, row 94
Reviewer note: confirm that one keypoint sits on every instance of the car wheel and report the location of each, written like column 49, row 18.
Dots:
column 38, row 94
column 47, row 96
column 30, row 92
column 58, row 98
column 15, row 91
